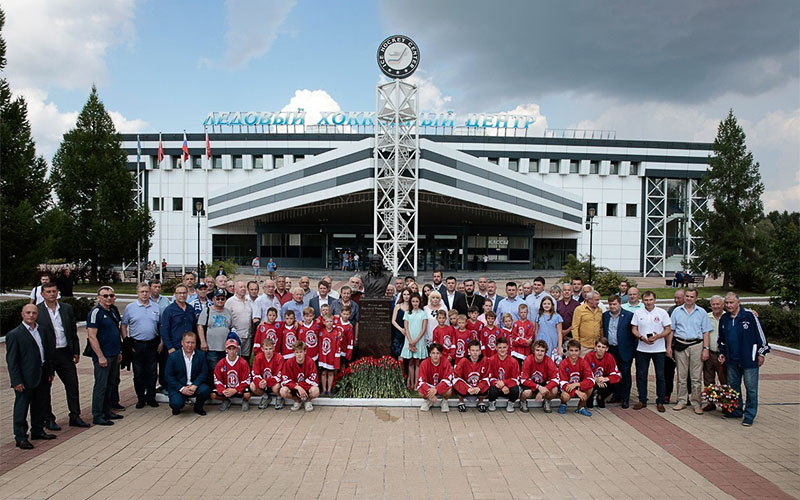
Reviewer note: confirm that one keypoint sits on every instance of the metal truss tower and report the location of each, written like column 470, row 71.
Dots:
column 396, row 217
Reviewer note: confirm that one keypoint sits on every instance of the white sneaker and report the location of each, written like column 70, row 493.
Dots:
column 426, row 405
column 492, row 406
column 510, row 407
column 245, row 406
column 523, row 406
column 546, row 406
column 225, row 405
column 309, row 406
column 445, row 406
column 264, row 402
column 296, row 406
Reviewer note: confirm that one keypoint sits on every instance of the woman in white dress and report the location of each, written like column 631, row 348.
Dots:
column 435, row 305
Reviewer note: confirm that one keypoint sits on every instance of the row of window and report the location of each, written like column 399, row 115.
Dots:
column 177, row 205
column 612, row 209
column 237, row 162
column 574, row 166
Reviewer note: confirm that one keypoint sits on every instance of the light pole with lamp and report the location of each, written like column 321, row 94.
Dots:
column 590, row 226
column 198, row 210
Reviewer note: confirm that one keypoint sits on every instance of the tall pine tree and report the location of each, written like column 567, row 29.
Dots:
column 728, row 224
column 24, row 190
column 95, row 193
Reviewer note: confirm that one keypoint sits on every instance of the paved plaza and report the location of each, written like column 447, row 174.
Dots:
column 349, row 452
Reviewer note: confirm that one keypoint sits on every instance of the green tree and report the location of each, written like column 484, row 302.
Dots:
column 784, row 258
column 24, row 190
column 727, row 224
column 95, row 193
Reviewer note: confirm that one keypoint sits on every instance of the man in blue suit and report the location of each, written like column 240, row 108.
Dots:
column 186, row 373
column 617, row 326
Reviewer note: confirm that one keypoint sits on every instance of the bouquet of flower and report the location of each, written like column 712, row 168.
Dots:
column 372, row 378
column 723, row 396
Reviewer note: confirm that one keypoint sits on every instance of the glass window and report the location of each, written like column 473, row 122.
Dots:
column 611, row 209
column 478, row 242
column 634, row 168
column 496, row 161
column 176, row 162
column 573, row 167
column 177, row 204
column 513, row 164
column 154, row 162
column 554, row 166
column 279, row 162
column 258, row 162
column 591, row 206
column 294, row 240
column 299, row 158
column 533, row 166
column 630, row 210
column 238, row 161
column 197, row 162
column 613, row 169
column 217, row 161
column 594, row 167
column 158, row 204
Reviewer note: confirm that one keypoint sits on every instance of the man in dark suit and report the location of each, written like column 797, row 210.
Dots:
column 450, row 295
column 30, row 375
column 438, row 286
column 322, row 297
column 617, row 327
column 60, row 335
column 186, row 372
column 469, row 298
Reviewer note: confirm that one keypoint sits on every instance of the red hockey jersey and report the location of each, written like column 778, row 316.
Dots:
column 288, row 338
column 329, row 348
column 470, row 374
column 461, row 339
column 606, row 367
column 267, row 369
column 535, row 374
column 506, row 370
column 474, row 329
column 579, row 372
column 430, row 375
column 294, row 374
column 267, row 331
column 489, row 336
column 310, row 335
column 345, row 340
column 522, row 333
column 229, row 375
column 445, row 335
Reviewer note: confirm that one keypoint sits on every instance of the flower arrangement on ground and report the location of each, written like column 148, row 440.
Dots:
column 726, row 398
column 372, row 378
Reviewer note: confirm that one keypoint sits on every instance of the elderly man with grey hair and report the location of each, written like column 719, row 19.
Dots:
column 587, row 322
column 712, row 368
column 242, row 316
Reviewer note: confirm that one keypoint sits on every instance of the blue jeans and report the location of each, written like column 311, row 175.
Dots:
column 642, row 369
column 750, row 375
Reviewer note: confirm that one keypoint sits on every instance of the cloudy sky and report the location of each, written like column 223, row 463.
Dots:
column 645, row 69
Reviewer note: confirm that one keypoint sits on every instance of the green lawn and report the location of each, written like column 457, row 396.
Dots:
column 128, row 288
column 703, row 292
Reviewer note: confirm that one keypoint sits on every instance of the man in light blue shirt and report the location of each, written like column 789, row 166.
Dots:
column 155, row 295
column 691, row 340
column 140, row 321
column 633, row 300
column 510, row 304
column 534, row 300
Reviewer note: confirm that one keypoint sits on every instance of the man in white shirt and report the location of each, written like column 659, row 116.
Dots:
column 242, row 313
column 265, row 301
column 651, row 325
column 322, row 297
column 36, row 294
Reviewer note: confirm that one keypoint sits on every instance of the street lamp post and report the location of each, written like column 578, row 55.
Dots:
column 590, row 226
column 198, row 208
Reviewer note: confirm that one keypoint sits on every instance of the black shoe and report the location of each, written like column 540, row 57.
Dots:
column 601, row 403
column 117, row 406
column 24, row 445
column 200, row 411
column 614, row 399
column 114, row 416
column 102, row 421
column 176, row 411
column 51, row 425
column 77, row 422
column 625, row 405
column 140, row 405
column 152, row 404
column 43, row 436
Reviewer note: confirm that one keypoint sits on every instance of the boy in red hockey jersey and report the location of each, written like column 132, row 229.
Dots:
column 232, row 378
column 266, row 370
column 489, row 335
column 299, row 379
column 452, row 318
column 471, row 377
column 507, row 327
column 435, row 379
column 268, row 329
column 444, row 334
column 575, row 378
column 308, row 333
column 605, row 371
column 539, row 378
column 345, row 352
column 474, row 326
column 523, row 335
column 328, row 350
column 461, row 338
column 288, row 334
column 503, row 376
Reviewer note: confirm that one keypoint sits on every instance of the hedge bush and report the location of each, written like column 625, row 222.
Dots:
column 10, row 311
column 781, row 326
column 607, row 283
column 230, row 266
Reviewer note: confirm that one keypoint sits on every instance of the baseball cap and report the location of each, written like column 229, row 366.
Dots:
column 231, row 342
column 220, row 293
column 202, row 284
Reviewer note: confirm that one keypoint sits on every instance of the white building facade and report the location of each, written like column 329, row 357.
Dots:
column 305, row 198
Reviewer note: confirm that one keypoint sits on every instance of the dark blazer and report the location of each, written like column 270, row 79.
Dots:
column 455, row 299
column 70, row 327
column 497, row 299
column 175, row 370
column 460, row 303
column 23, row 358
column 441, row 289
column 625, row 339
column 315, row 304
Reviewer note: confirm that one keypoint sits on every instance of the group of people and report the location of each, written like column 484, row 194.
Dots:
column 222, row 339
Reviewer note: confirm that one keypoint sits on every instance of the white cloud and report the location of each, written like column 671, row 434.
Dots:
column 126, row 126
column 776, row 138
column 63, row 43
column 532, row 110
column 252, row 26
column 430, row 96
column 313, row 102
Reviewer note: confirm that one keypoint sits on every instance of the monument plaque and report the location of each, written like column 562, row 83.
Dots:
column 374, row 326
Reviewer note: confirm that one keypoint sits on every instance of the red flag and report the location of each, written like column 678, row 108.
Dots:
column 160, row 150
column 185, row 148
column 208, row 146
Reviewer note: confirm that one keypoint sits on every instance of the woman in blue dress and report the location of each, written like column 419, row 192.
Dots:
column 414, row 349
column 548, row 327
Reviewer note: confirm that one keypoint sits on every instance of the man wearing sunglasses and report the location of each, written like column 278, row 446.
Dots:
column 213, row 327
column 106, row 343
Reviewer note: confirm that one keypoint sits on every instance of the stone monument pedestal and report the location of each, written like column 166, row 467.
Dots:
column 374, row 327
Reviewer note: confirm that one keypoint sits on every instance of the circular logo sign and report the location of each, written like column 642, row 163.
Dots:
column 398, row 56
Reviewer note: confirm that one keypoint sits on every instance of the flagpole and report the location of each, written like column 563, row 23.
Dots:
column 183, row 243
column 160, row 208
column 139, row 206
